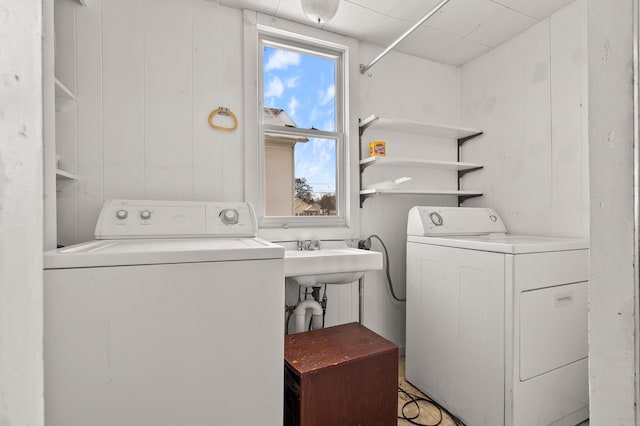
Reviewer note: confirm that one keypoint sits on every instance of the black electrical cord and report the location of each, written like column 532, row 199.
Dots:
column 366, row 244
column 415, row 400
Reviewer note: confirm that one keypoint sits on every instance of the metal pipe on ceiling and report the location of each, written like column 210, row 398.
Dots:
column 365, row 68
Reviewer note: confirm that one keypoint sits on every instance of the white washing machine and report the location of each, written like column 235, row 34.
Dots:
column 496, row 322
column 173, row 316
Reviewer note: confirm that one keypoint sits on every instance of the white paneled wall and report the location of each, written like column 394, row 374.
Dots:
column 530, row 98
column 148, row 73
column 402, row 86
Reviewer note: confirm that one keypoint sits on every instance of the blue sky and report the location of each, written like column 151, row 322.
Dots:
column 304, row 86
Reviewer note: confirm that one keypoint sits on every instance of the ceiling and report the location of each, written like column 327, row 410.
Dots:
column 457, row 33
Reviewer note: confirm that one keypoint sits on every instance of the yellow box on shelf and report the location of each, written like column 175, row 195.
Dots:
column 377, row 149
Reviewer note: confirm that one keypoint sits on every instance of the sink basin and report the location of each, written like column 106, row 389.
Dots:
column 330, row 266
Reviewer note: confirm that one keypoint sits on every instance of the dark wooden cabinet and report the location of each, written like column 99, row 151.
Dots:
column 340, row 376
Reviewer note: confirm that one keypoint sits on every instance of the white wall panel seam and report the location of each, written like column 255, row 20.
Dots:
column 75, row 123
column 102, row 100
column 193, row 121
column 552, row 183
column 144, row 105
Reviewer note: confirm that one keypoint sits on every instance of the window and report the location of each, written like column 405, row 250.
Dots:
column 302, row 133
column 304, row 162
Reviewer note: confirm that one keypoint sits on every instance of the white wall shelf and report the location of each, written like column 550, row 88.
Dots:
column 416, row 127
column 408, row 162
column 61, row 174
column 460, row 134
column 365, row 193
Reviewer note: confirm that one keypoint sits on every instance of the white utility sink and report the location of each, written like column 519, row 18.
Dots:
column 329, row 266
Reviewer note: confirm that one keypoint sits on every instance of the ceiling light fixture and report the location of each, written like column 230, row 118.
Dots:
column 320, row 11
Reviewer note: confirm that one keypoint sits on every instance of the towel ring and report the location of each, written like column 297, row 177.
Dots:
column 223, row 111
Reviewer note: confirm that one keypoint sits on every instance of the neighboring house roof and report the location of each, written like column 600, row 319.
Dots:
column 301, row 208
column 278, row 117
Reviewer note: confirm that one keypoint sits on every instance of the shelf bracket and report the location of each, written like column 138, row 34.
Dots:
column 463, row 198
column 464, row 172
column 461, row 141
column 364, row 197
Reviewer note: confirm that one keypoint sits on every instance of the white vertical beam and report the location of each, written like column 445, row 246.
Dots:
column 21, row 371
column 613, row 306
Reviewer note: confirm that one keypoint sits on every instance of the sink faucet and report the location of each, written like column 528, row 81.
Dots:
column 308, row 245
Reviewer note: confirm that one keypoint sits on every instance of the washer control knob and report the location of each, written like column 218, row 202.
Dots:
column 229, row 216
column 145, row 215
column 436, row 219
column 122, row 214
column 493, row 218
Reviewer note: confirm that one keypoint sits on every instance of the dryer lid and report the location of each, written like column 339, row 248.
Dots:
column 440, row 221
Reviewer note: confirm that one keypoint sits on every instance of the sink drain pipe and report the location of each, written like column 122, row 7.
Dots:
column 300, row 313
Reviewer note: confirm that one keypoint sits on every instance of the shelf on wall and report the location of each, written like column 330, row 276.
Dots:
column 61, row 174
column 461, row 194
column 64, row 96
column 384, row 161
column 409, row 126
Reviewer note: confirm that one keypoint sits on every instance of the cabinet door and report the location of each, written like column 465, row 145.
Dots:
column 455, row 329
column 553, row 328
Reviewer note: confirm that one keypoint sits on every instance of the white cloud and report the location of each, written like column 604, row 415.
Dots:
column 292, row 108
column 313, row 115
column 327, row 95
column 275, row 88
column 281, row 60
column 292, row 81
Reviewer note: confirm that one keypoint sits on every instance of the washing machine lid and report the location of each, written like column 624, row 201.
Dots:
column 105, row 253
column 504, row 243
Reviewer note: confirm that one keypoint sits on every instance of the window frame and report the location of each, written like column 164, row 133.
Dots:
column 263, row 30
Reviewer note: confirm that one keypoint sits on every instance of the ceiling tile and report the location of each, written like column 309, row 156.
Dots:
column 462, row 17
column 461, row 52
column 354, row 21
column 538, row 9
column 504, row 25
column 383, row 7
column 387, row 31
column 264, row 6
column 414, row 10
column 427, row 42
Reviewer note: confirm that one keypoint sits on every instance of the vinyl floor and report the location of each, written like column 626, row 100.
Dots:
column 426, row 414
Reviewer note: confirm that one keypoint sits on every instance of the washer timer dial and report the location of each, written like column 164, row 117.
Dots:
column 229, row 216
column 436, row 218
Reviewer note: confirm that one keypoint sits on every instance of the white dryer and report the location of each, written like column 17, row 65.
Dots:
column 173, row 316
column 496, row 322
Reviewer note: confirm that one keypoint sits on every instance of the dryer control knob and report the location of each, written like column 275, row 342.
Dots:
column 229, row 216
column 145, row 215
column 122, row 214
column 436, row 219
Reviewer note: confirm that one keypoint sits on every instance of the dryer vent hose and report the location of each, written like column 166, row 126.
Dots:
column 366, row 245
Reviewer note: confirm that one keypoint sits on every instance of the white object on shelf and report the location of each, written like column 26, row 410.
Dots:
column 389, row 184
column 409, row 126
column 61, row 174
column 385, row 161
